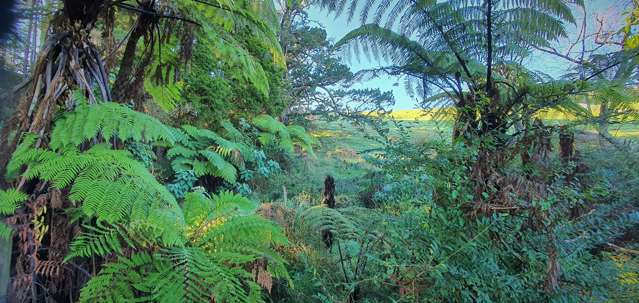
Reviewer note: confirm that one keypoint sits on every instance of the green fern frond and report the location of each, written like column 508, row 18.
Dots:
column 99, row 240
column 5, row 231
column 312, row 219
column 105, row 121
column 10, row 199
column 267, row 139
column 111, row 186
column 211, row 266
column 24, row 154
column 302, row 138
column 9, row 202
column 275, row 132
column 193, row 277
column 166, row 96
column 220, row 167
column 268, row 124
column 119, row 281
column 231, row 131
column 182, row 151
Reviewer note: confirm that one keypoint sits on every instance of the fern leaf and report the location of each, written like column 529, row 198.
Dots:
column 106, row 121
column 9, row 201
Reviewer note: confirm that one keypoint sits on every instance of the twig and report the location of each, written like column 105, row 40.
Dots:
column 625, row 250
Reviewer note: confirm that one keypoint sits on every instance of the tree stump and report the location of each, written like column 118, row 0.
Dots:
column 329, row 200
column 566, row 144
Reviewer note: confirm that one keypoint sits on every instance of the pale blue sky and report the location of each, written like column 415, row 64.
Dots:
column 608, row 10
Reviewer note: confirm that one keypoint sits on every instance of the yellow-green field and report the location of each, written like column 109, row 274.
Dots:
column 447, row 113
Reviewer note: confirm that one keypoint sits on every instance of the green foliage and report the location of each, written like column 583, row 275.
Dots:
column 462, row 54
column 203, row 152
column 106, row 121
column 109, row 186
column 166, row 96
column 232, row 154
column 285, row 137
column 208, row 249
column 9, row 201
column 225, row 240
column 238, row 65
column 420, row 245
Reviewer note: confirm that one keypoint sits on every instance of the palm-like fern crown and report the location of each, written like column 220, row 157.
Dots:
column 441, row 42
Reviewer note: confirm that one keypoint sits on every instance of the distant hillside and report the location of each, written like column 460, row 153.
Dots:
column 448, row 114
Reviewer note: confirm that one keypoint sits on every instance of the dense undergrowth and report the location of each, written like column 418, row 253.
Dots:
column 404, row 235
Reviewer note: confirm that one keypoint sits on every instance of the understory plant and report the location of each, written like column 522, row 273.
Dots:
column 420, row 243
column 146, row 241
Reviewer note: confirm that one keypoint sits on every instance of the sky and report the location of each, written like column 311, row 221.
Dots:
column 611, row 11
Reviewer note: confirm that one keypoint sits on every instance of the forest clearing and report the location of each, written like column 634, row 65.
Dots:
column 319, row 151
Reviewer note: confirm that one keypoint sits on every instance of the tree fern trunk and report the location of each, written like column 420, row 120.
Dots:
column 329, row 200
column 67, row 61
column 130, row 79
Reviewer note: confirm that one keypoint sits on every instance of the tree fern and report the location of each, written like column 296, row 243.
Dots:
column 105, row 121
column 229, row 228
column 128, row 217
column 464, row 52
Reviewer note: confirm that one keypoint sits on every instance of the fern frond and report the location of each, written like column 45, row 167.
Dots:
column 231, row 131
column 166, row 96
column 105, row 121
column 24, row 154
column 313, row 219
column 112, row 187
column 275, row 132
column 5, row 231
column 302, row 138
column 119, row 281
column 99, row 240
column 9, row 200
column 220, row 167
